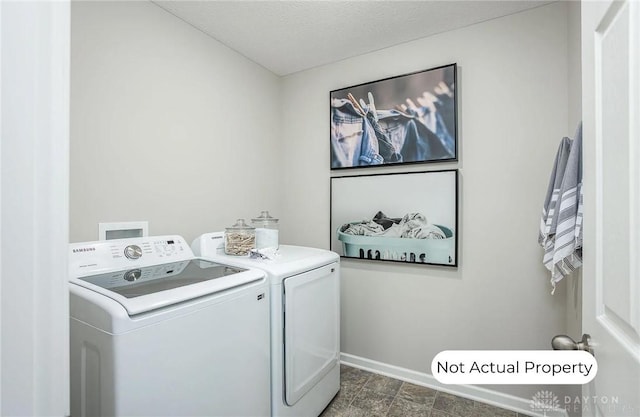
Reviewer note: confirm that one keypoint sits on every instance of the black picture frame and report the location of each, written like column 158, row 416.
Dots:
column 405, row 217
column 406, row 119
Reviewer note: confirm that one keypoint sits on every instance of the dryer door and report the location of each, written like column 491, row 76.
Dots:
column 311, row 329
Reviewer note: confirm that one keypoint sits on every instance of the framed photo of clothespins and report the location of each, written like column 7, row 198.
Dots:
column 405, row 119
column 402, row 217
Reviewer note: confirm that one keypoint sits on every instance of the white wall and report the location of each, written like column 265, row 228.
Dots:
column 514, row 103
column 167, row 125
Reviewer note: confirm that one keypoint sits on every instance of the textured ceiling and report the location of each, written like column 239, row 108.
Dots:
column 291, row 36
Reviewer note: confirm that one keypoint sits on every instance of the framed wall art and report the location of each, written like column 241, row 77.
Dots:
column 405, row 119
column 402, row 217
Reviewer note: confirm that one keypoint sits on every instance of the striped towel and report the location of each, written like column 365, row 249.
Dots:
column 561, row 224
column 548, row 222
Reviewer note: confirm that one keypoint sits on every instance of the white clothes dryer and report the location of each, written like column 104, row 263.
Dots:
column 305, row 322
column 158, row 332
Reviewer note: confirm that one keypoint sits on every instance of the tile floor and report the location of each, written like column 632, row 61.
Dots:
column 365, row 394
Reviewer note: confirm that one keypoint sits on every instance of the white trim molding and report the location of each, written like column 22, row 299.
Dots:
column 471, row 392
column 1, row 122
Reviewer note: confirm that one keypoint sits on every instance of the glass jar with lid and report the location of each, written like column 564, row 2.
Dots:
column 266, row 231
column 239, row 239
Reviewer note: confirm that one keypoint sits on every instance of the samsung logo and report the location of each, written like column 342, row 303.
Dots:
column 216, row 237
column 84, row 250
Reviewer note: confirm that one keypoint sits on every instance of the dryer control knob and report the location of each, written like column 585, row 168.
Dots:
column 133, row 252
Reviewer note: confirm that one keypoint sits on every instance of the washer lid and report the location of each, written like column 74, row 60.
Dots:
column 151, row 287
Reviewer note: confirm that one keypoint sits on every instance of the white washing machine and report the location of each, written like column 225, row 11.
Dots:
column 158, row 332
column 305, row 323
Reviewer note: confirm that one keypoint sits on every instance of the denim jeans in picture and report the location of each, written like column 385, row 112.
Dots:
column 435, row 122
column 386, row 149
column 445, row 106
column 411, row 137
column 353, row 140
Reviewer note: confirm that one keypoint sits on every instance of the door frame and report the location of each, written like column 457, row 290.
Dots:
column 34, row 207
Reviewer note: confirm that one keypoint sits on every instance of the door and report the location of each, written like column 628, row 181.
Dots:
column 311, row 329
column 611, row 288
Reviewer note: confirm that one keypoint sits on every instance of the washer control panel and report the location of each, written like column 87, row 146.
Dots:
column 94, row 257
column 133, row 252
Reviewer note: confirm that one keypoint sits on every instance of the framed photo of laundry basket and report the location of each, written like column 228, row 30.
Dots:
column 405, row 119
column 400, row 217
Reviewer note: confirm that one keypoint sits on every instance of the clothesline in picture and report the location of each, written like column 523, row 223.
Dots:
column 362, row 134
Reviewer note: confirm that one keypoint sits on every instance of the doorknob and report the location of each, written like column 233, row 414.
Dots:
column 564, row 342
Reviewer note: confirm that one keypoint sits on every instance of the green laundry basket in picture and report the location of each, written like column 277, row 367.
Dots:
column 427, row 251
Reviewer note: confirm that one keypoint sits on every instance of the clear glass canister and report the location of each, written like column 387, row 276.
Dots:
column 239, row 239
column 266, row 231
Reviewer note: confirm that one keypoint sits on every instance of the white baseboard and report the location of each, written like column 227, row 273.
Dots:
column 471, row 392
